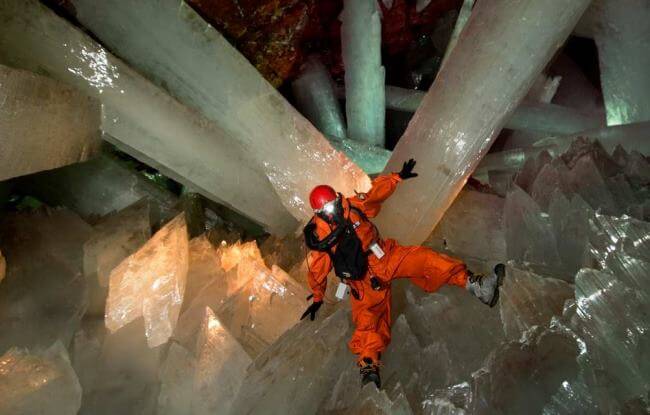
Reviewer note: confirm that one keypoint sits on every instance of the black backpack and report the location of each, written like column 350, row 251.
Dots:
column 349, row 260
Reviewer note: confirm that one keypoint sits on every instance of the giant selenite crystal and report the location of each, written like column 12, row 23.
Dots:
column 315, row 97
column 114, row 238
column 43, row 296
column 623, row 43
column 364, row 75
column 142, row 119
column 151, row 283
column 198, row 66
column 473, row 95
column 296, row 373
column 38, row 383
column 44, row 124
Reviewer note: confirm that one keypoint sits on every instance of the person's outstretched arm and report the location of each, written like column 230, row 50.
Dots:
column 382, row 188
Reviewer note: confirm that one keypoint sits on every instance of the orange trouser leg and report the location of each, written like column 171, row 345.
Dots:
column 371, row 317
column 430, row 270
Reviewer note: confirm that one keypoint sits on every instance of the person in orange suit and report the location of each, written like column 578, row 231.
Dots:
column 341, row 236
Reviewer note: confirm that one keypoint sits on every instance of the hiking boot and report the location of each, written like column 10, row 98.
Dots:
column 486, row 287
column 369, row 372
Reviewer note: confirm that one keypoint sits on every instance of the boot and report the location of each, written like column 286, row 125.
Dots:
column 369, row 372
column 486, row 287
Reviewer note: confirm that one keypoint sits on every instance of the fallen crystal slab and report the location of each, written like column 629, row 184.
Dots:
column 43, row 295
column 621, row 34
column 198, row 66
column 297, row 372
column 462, row 137
column 472, row 213
column 114, row 238
column 528, row 300
column 143, row 120
column 150, row 283
column 45, row 124
column 364, row 75
column 98, row 187
column 38, row 383
column 523, row 376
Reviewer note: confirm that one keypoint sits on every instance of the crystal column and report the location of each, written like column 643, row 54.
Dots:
column 364, row 75
column 623, row 40
column 501, row 51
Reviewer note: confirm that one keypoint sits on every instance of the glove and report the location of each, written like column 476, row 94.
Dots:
column 407, row 170
column 312, row 309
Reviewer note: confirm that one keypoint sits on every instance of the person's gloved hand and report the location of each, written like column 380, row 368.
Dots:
column 407, row 170
column 312, row 309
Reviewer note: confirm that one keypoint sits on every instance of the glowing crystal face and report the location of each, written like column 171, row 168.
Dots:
column 461, row 115
column 3, row 267
column 38, row 383
column 33, row 111
column 151, row 283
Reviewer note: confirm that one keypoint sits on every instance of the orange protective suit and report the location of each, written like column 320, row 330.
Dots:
column 425, row 268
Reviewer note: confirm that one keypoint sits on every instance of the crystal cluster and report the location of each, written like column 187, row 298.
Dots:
column 145, row 121
column 258, row 131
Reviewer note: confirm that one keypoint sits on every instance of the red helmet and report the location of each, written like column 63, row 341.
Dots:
column 321, row 195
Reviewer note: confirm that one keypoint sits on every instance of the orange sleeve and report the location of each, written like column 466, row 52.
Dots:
column 319, row 264
column 382, row 188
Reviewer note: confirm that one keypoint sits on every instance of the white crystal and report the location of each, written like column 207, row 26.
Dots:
column 463, row 16
column 45, row 124
column 315, row 97
column 150, row 283
column 142, row 119
column 622, row 39
column 455, row 118
column 38, row 383
column 200, row 68
column 364, row 75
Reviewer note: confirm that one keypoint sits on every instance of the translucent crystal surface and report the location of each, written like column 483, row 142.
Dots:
column 98, row 187
column 45, row 124
column 472, row 213
column 220, row 367
column 299, row 370
column 315, row 98
column 140, row 118
column 528, row 300
column 114, row 238
column 463, row 16
column 265, row 307
column 454, row 117
column 199, row 67
column 177, row 381
column 151, row 283
column 35, row 383
column 371, row 158
column 43, row 296
column 622, row 39
column 364, row 75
